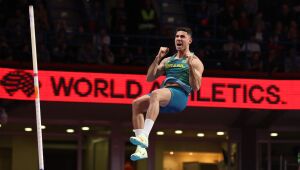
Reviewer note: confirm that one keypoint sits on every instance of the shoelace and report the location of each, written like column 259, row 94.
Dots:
column 140, row 152
column 141, row 138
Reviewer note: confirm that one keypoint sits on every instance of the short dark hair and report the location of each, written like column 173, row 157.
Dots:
column 185, row 29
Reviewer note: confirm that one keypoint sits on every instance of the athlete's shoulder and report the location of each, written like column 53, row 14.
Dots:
column 169, row 58
column 199, row 62
column 164, row 61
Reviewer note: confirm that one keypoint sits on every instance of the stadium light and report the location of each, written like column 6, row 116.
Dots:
column 85, row 128
column 273, row 134
column 200, row 134
column 28, row 129
column 178, row 132
column 70, row 130
column 220, row 133
column 160, row 133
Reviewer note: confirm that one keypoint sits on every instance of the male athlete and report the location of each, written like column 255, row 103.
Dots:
column 183, row 72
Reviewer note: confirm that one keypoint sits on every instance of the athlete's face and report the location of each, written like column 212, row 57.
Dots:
column 182, row 40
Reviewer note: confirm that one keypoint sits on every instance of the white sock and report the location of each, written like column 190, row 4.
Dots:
column 138, row 132
column 148, row 126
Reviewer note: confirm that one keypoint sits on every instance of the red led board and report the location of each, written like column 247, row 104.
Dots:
column 123, row 88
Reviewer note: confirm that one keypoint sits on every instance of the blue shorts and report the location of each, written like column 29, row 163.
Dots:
column 177, row 102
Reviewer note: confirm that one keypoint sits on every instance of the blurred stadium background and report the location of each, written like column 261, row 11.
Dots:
column 234, row 39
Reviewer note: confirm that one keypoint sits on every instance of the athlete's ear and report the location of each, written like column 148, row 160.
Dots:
column 191, row 40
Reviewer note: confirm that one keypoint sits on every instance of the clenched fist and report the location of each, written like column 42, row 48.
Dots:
column 190, row 57
column 162, row 52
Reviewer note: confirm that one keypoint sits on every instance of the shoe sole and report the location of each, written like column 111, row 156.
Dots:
column 136, row 158
column 136, row 142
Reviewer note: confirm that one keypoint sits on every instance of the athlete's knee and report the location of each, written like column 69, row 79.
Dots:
column 154, row 96
column 136, row 103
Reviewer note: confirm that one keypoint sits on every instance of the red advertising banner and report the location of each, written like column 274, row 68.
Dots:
column 123, row 88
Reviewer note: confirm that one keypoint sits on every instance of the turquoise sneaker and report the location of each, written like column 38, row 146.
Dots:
column 140, row 140
column 140, row 153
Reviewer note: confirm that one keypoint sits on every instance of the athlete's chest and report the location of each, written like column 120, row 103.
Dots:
column 177, row 64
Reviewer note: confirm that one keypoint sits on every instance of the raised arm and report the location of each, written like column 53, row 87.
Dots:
column 156, row 69
column 196, row 70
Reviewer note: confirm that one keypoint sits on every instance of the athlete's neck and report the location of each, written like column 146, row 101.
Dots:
column 183, row 53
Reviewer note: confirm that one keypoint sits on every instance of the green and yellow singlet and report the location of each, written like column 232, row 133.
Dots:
column 177, row 70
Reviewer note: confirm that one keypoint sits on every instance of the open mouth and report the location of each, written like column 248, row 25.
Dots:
column 179, row 44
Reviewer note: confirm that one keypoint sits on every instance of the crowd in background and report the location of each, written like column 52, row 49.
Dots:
column 254, row 36
column 244, row 35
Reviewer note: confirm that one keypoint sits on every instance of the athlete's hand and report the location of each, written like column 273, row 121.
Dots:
column 190, row 58
column 162, row 52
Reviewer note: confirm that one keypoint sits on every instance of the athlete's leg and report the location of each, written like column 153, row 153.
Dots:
column 160, row 97
column 139, row 106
